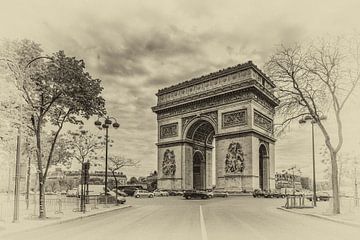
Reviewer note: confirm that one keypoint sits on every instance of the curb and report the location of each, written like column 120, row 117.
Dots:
column 345, row 222
column 86, row 216
column 64, row 221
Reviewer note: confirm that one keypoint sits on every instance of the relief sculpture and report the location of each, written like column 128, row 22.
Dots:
column 169, row 165
column 234, row 161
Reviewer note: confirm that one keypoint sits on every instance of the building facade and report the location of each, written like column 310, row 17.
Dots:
column 218, row 126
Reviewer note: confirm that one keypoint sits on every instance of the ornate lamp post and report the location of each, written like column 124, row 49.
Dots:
column 313, row 121
column 105, row 125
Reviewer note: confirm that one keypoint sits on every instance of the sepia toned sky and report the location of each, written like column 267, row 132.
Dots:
column 137, row 47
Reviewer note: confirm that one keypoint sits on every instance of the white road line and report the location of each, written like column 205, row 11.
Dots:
column 202, row 225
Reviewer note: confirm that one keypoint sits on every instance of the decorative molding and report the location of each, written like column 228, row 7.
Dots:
column 204, row 104
column 169, row 164
column 273, row 101
column 169, row 130
column 234, row 118
column 263, row 122
column 212, row 115
column 205, row 86
column 186, row 120
column 234, row 160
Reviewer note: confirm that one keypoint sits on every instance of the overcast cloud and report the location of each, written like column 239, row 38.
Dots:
column 137, row 47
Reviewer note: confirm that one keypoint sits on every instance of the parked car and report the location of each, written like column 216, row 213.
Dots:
column 175, row 193
column 278, row 195
column 72, row 193
column 130, row 190
column 121, row 193
column 320, row 196
column 218, row 194
column 159, row 193
column 143, row 193
column 258, row 193
column 111, row 198
column 189, row 194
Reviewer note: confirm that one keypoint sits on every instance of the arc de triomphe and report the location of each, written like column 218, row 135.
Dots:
column 221, row 124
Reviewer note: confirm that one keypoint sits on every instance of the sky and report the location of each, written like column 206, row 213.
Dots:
column 138, row 47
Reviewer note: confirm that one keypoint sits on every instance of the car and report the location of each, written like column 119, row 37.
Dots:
column 121, row 193
column 111, row 198
column 160, row 193
column 278, row 195
column 320, row 196
column 175, row 193
column 130, row 190
column 72, row 193
column 219, row 194
column 143, row 193
column 189, row 194
column 258, row 193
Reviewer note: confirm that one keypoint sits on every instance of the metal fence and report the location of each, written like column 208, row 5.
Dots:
column 55, row 205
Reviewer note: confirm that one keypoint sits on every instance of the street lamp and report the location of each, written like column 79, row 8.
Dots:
column 105, row 125
column 313, row 121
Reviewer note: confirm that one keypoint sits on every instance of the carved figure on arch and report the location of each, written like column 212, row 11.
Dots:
column 234, row 160
column 169, row 164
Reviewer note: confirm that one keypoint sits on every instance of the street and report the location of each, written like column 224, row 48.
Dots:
column 176, row 218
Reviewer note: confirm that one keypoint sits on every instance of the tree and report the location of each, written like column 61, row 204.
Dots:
column 133, row 180
column 118, row 162
column 56, row 92
column 83, row 145
column 315, row 80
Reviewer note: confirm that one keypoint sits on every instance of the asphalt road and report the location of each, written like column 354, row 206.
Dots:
column 175, row 218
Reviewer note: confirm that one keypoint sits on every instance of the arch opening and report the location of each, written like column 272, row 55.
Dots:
column 263, row 168
column 201, row 133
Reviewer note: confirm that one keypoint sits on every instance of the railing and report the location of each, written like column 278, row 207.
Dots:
column 54, row 205
column 296, row 201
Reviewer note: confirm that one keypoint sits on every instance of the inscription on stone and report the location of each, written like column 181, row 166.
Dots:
column 262, row 121
column 169, row 130
column 234, row 118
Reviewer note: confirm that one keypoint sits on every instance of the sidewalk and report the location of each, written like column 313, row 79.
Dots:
column 67, row 216
column 349, row 216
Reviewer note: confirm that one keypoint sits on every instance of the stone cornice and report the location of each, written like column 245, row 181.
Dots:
column 214, row 75
column 217, row 92
column 246, row 132
column 180, row 142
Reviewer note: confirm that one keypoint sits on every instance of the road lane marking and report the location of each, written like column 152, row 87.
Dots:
column 202, row 225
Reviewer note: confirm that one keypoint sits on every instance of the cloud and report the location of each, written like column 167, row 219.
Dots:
column 136, row 48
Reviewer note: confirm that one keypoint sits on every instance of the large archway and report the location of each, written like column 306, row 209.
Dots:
column 199, row 174
column 200, row 134
column 263, row 167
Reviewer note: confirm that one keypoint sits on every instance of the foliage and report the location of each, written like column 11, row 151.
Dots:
column 56, row 91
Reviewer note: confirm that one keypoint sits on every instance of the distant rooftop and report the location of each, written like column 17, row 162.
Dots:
column 214, row 75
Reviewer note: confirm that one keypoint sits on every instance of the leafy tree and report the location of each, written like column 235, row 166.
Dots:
column 315, row 80
column 56, row 91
